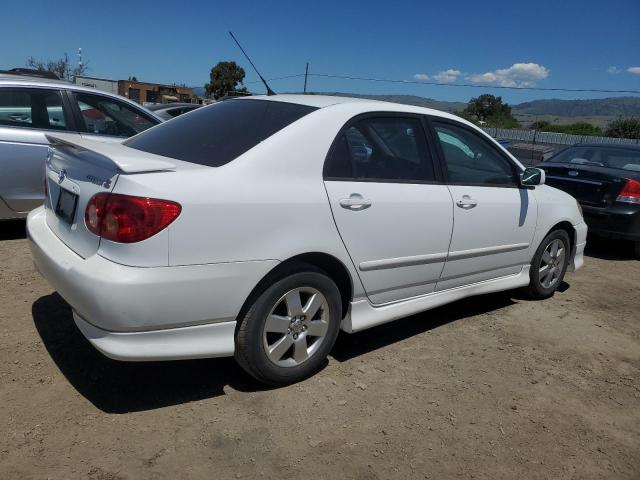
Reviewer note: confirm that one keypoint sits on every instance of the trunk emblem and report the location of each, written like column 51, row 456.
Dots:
column 96, row 181
column 573, row 173
column 61, row 176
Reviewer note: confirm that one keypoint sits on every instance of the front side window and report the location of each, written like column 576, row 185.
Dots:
column 217, row 134
column 106, row 116
column 472, row 160
column 34, row 108
column 381, row 148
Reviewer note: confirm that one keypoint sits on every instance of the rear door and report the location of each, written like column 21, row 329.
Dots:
column 393, row 215
column 26, row 115
column 494, row 219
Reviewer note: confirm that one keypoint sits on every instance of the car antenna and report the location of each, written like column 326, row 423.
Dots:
column 269, row 91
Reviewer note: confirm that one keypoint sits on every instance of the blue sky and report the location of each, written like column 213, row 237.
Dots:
column 561, row 43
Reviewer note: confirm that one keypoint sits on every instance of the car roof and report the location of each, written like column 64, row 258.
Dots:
column 364, row 104
column 27, row 81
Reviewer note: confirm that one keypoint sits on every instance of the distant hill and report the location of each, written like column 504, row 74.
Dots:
column 615, row 107
column 599, row 111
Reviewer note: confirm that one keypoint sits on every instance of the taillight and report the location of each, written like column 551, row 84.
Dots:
column 630, row 193
column 127, row 219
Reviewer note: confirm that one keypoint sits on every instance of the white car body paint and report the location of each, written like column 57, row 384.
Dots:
column 178, row 294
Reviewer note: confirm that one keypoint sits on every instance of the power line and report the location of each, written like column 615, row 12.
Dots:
column 277, row 78
column 420, row 82
column 438, row 84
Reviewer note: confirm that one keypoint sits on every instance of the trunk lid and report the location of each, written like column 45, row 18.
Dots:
column 77, row 169
column 590, row 185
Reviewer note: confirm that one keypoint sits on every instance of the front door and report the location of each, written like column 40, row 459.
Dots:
column 394, row 218
column 494, row 218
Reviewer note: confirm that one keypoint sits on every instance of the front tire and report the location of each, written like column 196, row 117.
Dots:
column 549, row 265
column 290, row 328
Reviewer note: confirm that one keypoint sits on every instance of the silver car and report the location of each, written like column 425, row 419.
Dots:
column 31, row 107
column 167, row 111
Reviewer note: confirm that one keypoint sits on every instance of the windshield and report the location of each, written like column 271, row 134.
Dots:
column 217, row 134
column 612, row 157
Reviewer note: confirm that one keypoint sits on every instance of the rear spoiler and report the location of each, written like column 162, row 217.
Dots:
column 128, row 160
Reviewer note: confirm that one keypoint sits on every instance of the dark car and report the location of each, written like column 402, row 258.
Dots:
column 605, row 179
column 167, row 111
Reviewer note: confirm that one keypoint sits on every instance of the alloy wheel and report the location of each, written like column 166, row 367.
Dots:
column 296, row 326
column 551, row 263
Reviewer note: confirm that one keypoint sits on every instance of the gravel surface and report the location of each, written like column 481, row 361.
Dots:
column 489, row 387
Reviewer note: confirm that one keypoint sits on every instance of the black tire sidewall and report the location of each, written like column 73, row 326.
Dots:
column 253, row 356
column 535, row 286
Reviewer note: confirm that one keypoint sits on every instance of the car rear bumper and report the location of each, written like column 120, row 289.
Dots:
column 154, row 313
column 618, row 221
column 198, row 341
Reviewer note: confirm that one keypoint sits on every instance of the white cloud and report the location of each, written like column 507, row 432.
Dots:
column 517, row 75
column 635, row 70
column 421, row 76
column 447, row 76
column 613, row 70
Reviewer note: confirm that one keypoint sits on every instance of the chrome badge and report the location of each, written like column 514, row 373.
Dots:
column 573, row 173
column 61, row 176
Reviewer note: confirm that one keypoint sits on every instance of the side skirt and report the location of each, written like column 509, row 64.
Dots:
column 362, row 314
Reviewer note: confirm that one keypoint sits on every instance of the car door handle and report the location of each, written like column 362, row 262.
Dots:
column 355, row 202
column 466, row 202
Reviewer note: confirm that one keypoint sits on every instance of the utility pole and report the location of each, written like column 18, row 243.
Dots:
column 306, row 74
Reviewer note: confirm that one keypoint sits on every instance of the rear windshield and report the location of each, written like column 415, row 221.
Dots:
column 215, row 135
column 621, row 158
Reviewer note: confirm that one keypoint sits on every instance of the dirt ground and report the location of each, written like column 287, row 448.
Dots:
column 490, row 387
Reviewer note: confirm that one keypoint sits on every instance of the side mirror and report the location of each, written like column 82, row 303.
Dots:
column 532, row 177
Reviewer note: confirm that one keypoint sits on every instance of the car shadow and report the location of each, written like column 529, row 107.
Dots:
column 609, row 249
column 349, row 346
column 12, row 229
column 121, row 387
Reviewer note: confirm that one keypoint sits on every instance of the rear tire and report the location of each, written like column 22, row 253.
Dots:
column 549, row 265
column 290, row 328
column 636, row 249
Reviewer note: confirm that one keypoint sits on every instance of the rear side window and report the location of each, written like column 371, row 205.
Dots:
column 612, row 157
column 107, row 116
column 215, row 135
column 381, row 149
column 34, row 108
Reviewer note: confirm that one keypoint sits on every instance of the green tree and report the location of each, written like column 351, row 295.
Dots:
column 224, row 80
column 61, row 67
column 490, row 111
column 624, row 128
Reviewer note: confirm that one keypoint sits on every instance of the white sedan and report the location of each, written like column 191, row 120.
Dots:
column 259, row 227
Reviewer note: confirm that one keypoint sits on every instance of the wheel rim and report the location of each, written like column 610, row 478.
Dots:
column 296, row 327
column 551, row 264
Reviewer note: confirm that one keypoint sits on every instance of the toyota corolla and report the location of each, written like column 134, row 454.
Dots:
column 259, row 227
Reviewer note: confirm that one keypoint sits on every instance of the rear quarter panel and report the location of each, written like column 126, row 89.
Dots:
column 268, row 204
